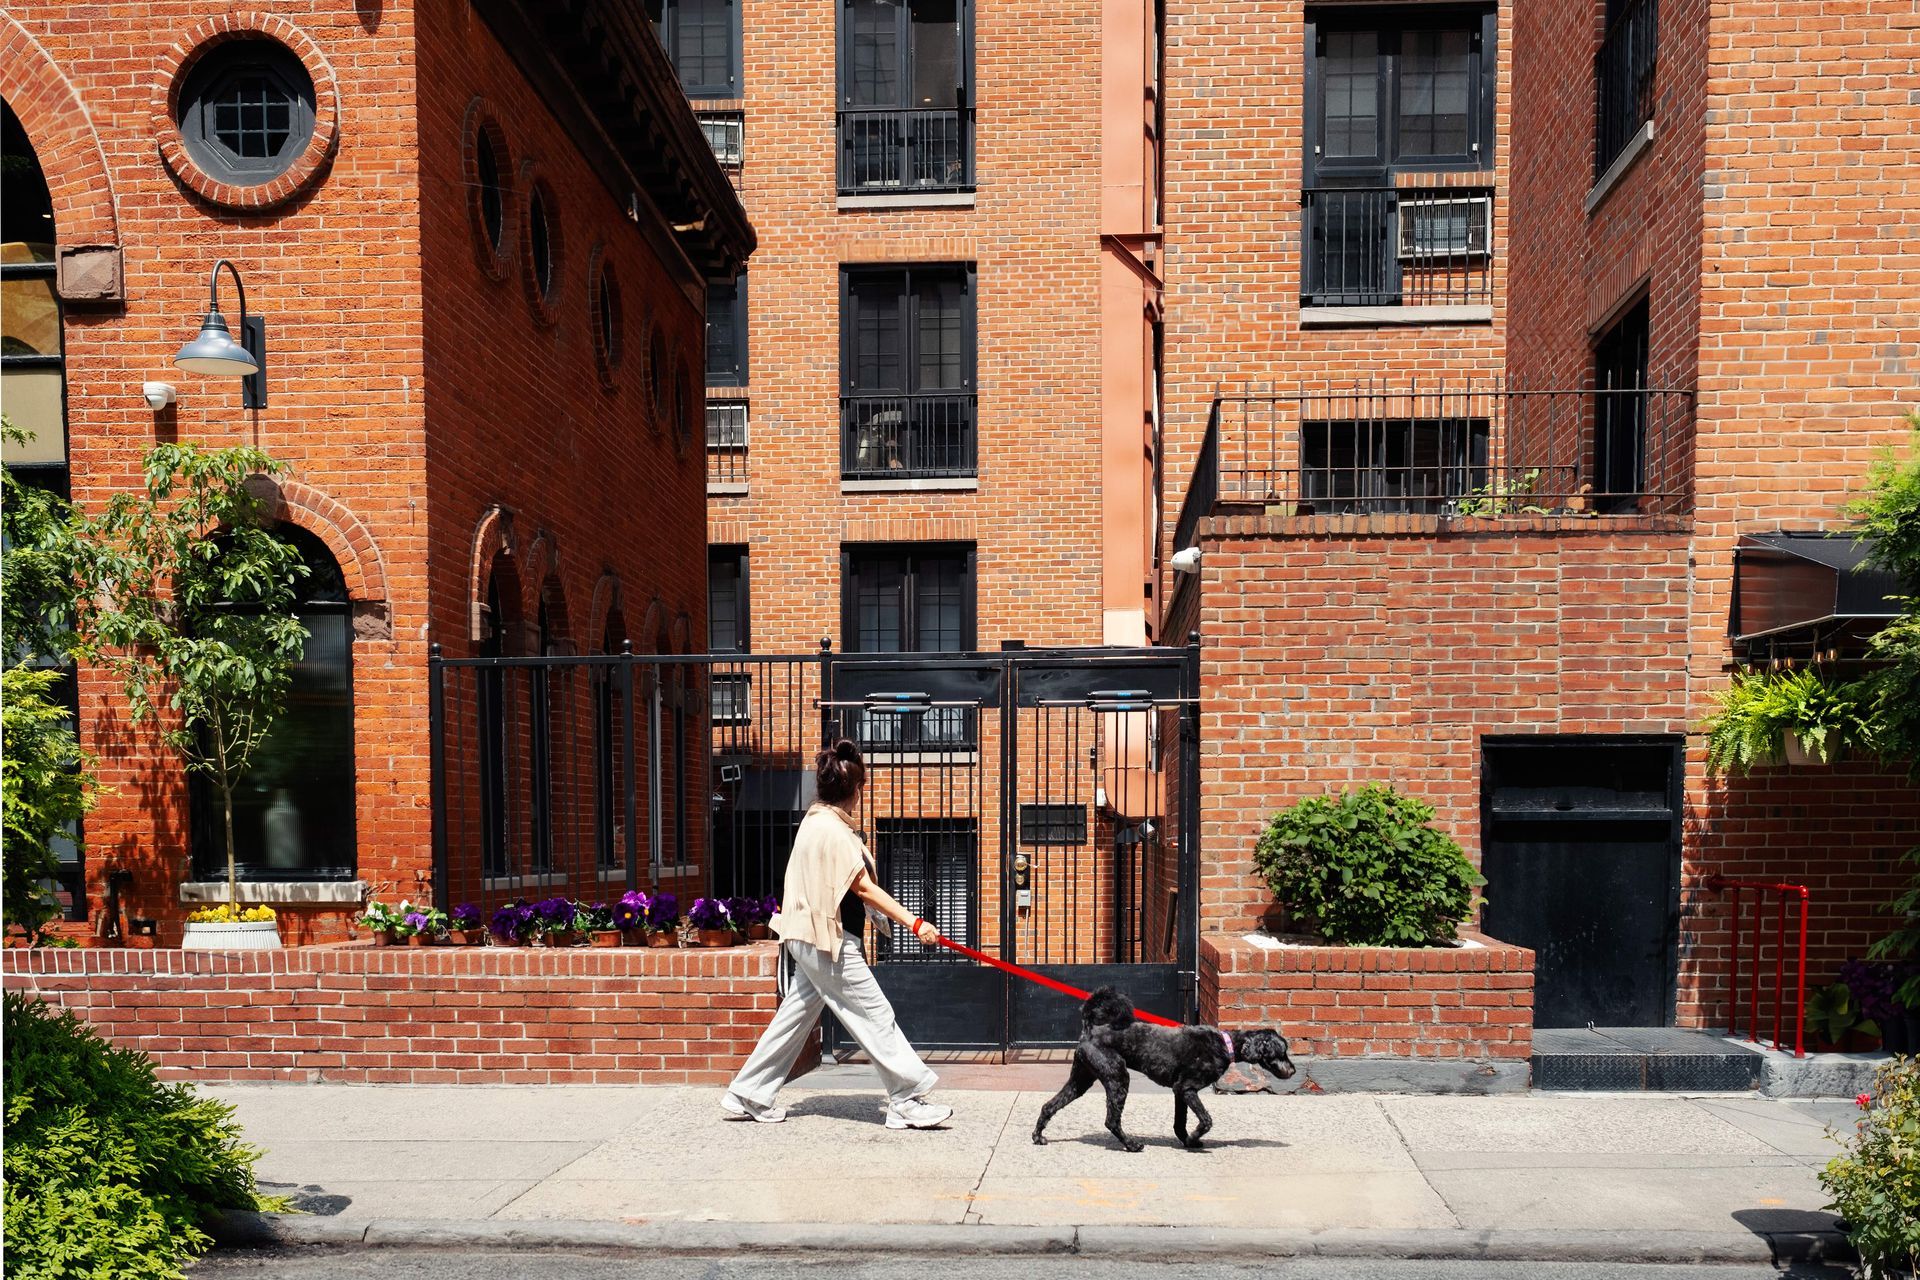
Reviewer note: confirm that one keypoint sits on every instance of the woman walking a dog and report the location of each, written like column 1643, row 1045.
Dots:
column 830, row 890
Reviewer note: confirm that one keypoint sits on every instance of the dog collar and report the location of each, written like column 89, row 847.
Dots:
column 1227, row 1040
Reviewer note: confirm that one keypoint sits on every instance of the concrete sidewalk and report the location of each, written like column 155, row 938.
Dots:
column 556, row 1164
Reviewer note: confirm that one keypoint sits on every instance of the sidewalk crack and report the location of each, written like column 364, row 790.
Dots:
column 970, row 1216
column 1414, row 1160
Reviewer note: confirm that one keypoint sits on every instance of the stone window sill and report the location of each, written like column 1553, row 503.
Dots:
column 908, row 200
column 198, row 892
column 1637, row 146
column 924, row 484
column 1393, row 317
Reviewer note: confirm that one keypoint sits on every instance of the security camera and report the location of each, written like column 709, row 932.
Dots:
column 158, row 395
column 1187, row 561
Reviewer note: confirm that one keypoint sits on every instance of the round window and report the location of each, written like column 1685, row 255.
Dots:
column 540, row 245
column 493, row 209
column 246, row 111
column 657, row 377
column 607, row 315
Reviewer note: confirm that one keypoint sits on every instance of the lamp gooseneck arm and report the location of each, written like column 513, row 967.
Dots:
column 239, row 287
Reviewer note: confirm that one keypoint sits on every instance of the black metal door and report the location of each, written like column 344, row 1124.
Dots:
column 1581, row 842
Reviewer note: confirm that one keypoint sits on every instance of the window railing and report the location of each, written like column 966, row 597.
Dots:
column 726, row 442
column 1481, row 452
column 886, row 151
column 726, row 133
column 895, row 437
column 1387, row 247
column 1623, row 80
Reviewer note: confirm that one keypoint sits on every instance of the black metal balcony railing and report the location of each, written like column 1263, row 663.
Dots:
column 1486, row 451
column 884, row 151
column 726, row 442
column 896, row 437
column 1386, row 247
column 726, row 133
column 1623, row 80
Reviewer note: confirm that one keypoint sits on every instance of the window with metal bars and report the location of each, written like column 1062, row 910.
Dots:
column 727, row 599
column 906, row 85
column 907, row 372
column 1053, row 824
column 932, row 865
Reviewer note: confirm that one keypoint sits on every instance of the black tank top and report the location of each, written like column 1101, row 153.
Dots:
column 853, row 913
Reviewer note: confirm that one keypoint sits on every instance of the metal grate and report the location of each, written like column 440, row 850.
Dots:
column 253, row 116
column 932, row 865
column 906, row 150
column 1053, row 824
column 726, row 133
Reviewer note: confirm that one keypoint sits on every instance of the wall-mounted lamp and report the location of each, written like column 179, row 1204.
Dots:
column 215, row 352
column 1187, row 561
column 158, row 395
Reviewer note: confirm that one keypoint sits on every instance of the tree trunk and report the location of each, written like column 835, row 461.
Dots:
column 233, row 874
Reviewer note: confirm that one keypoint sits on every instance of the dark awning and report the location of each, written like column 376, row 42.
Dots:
column 1795, row 594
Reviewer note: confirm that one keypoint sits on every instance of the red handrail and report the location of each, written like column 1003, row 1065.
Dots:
column 1785, row 891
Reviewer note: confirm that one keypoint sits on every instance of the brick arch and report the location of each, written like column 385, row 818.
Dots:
column 346, row 537
column 651, row 635
column 63, row 137
column 606, row 602
column 493, row 537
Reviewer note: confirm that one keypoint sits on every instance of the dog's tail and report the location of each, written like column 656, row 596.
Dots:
column 1106, row 1008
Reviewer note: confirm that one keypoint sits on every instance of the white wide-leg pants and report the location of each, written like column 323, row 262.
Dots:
column 846, row 985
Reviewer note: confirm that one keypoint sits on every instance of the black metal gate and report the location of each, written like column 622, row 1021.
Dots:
column 1039, row 805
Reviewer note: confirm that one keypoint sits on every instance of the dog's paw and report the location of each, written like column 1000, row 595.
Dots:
column 1039, row 1141
column 1131, row 1144
column 1195, row 1145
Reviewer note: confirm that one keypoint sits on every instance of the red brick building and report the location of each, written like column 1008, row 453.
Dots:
column 1524, row 316
column 479, row 237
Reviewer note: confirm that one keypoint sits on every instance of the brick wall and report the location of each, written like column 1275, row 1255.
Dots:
column 1473, row 1002
column 1339, row 651
column 360, row 1014
column 410, row 390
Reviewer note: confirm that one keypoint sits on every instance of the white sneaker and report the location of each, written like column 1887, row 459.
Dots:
column 917, row 1113
column 735, row 1105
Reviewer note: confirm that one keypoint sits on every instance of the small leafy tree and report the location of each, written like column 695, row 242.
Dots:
column 189, row 601
column 1366, row 867
column 45, row 782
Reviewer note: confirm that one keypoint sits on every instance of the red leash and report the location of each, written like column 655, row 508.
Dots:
column 1044, row 981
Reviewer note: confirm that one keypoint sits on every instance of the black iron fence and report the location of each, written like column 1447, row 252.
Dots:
column 919, row 149
column 1384, row 247
column 1488, row 451
column 899, row 437
column 1623, row 73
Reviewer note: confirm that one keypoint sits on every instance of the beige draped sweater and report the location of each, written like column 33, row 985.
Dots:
column 828, row 854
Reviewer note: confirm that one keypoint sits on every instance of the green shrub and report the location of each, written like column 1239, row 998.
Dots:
column 109, row 1172
column 1365, row 868
column 1875, row 1182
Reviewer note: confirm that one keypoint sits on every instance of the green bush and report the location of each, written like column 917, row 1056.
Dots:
column 1365, row 868
column 109, row 1172
column 1875, row 1182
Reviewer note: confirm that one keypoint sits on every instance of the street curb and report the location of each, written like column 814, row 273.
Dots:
column 947, row 1240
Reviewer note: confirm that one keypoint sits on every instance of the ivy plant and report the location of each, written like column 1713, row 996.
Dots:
column 1367, row 867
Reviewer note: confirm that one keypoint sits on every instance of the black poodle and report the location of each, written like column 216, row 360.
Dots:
column 1184, row 1059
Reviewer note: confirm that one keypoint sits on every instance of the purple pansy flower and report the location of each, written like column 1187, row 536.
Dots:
column 466, row 916
column 416, row 921
column 663, row 911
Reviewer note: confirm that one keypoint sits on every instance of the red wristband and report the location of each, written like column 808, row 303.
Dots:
column 917, row 922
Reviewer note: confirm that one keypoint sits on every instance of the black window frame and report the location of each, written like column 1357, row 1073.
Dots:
column 665, row 17
column 943, row 845
column 218, row 66
column 909, row 555
column 962, row 106
column 955, row 426
column 740, row 557
column 1622, row 355
column 731, row 297
column 1384, row 458
column 1626, row 68
column 322, row 593
column 1391, row 24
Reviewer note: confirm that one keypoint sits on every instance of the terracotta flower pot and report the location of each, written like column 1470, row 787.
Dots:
column 758, row 933
column 419, row 940
column 382, row 938
column 467, row 937
column 715, row 937
column 606, row 937
column 633, row 937
column 662, row 938
column 564, row 938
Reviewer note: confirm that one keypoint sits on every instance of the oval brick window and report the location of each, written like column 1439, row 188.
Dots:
column 609, row 324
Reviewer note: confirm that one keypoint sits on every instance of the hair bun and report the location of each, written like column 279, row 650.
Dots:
column 845, row 750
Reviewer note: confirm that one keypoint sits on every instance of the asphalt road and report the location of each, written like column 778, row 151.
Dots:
column 384, row 1264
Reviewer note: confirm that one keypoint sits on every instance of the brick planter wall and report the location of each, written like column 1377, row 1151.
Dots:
column 440, row 1015
column 1467, row 1003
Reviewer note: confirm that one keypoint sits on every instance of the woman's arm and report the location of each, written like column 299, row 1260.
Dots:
column 869, row 892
